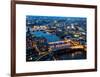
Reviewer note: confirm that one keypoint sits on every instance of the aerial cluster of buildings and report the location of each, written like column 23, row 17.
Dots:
column 43, row 27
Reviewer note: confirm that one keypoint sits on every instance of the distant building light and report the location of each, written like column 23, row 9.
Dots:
column 76, row 35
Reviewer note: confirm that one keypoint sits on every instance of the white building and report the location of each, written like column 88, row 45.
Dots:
column 34, row 28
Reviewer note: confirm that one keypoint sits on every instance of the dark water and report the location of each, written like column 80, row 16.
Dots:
column 64, row 56
column 48, row 36
column 59, row 55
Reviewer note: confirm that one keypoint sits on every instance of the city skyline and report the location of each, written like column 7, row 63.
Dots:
column 55, row 38
column 43, row 20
